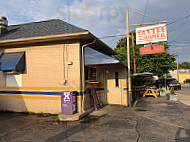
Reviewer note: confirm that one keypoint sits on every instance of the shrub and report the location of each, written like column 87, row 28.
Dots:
column 187, row 81
column 57, row 119
column 172, row 91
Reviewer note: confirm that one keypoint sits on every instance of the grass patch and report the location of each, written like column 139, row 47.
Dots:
column 57, row 119
column 38, row 114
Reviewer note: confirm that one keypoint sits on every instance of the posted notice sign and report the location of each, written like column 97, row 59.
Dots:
column 151, row 34
column 152, row 50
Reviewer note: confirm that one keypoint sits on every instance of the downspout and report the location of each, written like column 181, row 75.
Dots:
column 83, row 75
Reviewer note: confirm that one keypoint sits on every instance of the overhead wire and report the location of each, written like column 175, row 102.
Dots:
column 111, row 36
column 187, row 16
column 179, row 26
column 181, row 34
column 178, row 20
column 146, row 7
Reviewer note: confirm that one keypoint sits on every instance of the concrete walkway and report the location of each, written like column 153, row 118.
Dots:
column 184, row 98
column 152, row 120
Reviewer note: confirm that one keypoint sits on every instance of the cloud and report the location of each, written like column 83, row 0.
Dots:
column 101, row 17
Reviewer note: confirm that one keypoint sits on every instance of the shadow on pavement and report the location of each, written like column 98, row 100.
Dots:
column 8, row 115
column 79, row 127
column 182, row 135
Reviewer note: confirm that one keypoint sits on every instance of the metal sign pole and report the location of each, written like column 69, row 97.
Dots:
column 177, row 64
column 128, row 58
column 134, row 58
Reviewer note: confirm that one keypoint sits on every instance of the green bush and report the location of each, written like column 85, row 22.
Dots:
column 187, row 81
column 172, row 91
column 57, row 119
column 160, row 90
column 169, row 76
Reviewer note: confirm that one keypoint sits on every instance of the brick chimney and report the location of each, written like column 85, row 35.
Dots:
column 3, row 25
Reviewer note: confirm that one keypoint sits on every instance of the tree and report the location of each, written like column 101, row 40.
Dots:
column 184, row 65
column 158, row 64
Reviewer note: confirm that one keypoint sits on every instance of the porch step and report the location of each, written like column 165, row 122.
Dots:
column 74, row 117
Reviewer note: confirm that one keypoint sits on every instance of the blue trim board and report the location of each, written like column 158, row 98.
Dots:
column 30, row 92
column 125, row 89
column 42, row 93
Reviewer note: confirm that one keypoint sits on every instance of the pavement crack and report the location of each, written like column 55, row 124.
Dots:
column 66, row 132
column 138, row 132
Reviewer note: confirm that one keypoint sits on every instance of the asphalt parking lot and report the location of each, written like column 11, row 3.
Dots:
column 184, row 94
column 185, row 89
column 151, row 120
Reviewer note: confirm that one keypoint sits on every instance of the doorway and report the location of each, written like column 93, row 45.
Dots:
column 114, row 86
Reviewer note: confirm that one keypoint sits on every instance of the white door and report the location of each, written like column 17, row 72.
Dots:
column 114, row 86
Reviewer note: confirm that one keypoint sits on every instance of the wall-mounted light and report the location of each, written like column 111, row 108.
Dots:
column 70, row 63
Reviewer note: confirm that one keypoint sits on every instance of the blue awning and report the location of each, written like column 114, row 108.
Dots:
column 93, row 57
column 13, row 61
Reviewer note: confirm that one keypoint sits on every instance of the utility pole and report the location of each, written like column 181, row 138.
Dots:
column 177, row 56
column 177, row 64
column 128, row 57
column 134, row 59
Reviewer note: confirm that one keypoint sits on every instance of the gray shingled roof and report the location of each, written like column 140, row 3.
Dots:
column 37, row 29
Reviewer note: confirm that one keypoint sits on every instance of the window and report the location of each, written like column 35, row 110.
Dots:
column 12, row 61
column 116, row 79
column 90, row 73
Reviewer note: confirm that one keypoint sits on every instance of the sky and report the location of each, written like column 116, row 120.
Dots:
column 106, row 18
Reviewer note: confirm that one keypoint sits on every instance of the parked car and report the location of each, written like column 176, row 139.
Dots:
column 170, row 82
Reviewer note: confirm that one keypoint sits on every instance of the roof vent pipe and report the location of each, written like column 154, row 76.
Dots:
column 3, row 25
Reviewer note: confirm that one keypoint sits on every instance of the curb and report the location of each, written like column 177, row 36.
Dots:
column 188, row 104
column 75, row 117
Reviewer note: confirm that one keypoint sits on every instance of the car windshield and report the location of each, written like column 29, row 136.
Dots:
column 173, row 81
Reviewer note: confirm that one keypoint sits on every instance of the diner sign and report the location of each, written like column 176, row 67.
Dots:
column 152, row 49
column 151, row 34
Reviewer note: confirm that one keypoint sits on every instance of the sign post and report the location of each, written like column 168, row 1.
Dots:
column 148, row 34
column 128, row 58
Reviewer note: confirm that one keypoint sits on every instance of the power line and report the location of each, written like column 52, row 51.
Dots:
column 170, row 43
column 179, row 26
column 146, row 7
column 112, row 36
column 179, row 20
column 181, row 34
column 180, row 43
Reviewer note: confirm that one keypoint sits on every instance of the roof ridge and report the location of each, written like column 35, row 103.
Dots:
column 34, row 22
column 72, row 24
column 41, row 28
column 47, row 21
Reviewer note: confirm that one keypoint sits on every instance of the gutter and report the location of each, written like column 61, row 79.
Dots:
column 83, row 75
column 43, row 38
